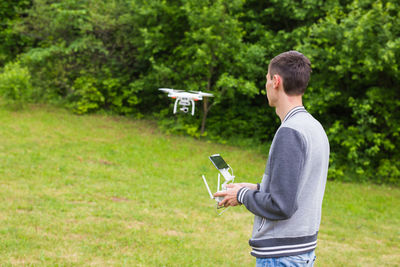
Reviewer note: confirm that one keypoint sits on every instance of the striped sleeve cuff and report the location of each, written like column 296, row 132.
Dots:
column 240, row 195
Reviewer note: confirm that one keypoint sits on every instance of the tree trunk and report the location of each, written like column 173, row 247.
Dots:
column 205, row 111
column 206, row 108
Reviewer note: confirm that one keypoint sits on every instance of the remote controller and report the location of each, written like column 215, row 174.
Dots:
column 228, row 176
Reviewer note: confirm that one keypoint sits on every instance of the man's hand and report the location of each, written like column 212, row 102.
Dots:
column 249, row 185
column 230, row 195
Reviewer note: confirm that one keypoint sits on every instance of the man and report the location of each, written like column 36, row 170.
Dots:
column 287, row 203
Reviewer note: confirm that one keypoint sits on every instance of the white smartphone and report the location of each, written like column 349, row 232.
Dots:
column 218, row 162
column 222, row 167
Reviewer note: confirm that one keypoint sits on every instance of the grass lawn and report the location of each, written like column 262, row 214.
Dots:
column 111, row 191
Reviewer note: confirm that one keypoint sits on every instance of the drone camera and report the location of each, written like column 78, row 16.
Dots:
column 185, row 109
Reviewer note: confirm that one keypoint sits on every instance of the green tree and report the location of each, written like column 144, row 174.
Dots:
column 11, row 43
column 356, row 54
column 208, row 57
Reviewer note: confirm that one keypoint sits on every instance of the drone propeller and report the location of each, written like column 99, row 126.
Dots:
column 169, row 90
column 202, row 93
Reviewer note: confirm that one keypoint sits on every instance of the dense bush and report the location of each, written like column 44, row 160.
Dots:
column 113, row 55
column 355, row 88
column 15, row 85
column 11, row 42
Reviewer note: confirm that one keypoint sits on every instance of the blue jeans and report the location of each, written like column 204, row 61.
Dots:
column 303, row 260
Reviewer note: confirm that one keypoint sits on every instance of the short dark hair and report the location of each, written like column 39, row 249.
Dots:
column 294, row 68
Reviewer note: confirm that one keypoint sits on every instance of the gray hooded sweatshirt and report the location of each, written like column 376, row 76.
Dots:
column 287, row 206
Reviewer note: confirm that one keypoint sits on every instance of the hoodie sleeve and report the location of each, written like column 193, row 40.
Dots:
column 287, row 159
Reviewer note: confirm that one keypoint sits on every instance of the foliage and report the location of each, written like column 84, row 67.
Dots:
column 12, row 43
column 359, row 90
column 88, row 96
column 113, row 55
column 15, row 84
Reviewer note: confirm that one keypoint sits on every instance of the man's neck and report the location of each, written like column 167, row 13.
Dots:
column 287, row 104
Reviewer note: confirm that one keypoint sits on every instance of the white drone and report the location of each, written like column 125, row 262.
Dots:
column 184, row 99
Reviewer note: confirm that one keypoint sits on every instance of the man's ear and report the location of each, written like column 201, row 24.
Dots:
column 277, row 80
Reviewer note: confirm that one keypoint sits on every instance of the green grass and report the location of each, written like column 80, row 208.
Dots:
column 112, row 191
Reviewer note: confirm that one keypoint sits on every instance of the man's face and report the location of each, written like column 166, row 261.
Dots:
column 270, row 90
